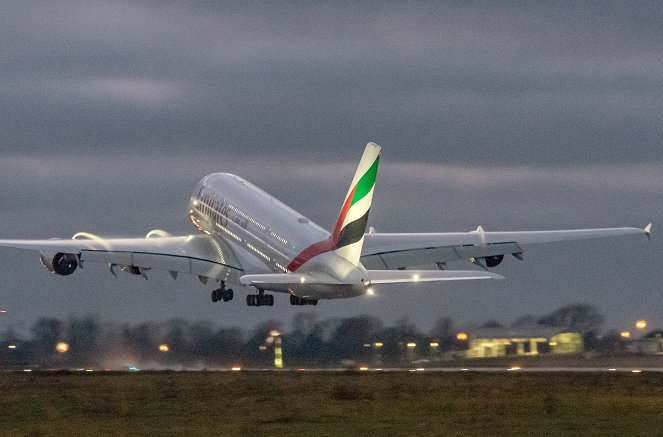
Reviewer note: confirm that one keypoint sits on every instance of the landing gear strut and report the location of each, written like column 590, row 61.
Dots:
column 222, row 294
column 260, row 299
column 294, row 300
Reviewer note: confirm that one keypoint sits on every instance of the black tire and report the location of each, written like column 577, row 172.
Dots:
column 249, row 300
column 214, row 298
column 270, row 300
column 230, row 294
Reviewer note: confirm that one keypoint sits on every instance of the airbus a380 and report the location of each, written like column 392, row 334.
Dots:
column 248, row 237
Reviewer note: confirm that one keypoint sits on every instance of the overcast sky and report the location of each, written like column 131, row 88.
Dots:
column 546, row 116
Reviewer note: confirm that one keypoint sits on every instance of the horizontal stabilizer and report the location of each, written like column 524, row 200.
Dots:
column 374, row 277
column 403, row 276
column 286, row 279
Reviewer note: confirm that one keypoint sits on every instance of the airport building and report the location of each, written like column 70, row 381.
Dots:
column 523, row 341
column 650, row 345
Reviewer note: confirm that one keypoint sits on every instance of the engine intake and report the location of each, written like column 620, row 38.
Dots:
column 62, row 264
column 493, row 261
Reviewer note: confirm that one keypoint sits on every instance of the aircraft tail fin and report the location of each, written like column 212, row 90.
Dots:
column 348, row 234
column 347, row 237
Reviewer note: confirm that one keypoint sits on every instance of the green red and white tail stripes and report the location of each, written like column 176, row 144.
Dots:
column 347, row 237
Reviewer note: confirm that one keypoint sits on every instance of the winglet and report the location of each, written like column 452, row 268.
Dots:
column 648, row 231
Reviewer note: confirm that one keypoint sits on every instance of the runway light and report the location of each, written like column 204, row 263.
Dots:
column 62, row 347
column 378, row 344
column 412, row 345
column 236, row 368
column 164, row 348
column 641, row 324
column 514, row 368
column 363, row 368
column 274, row 333
column 11, row 346
column 262, row 347
column 461, row 336
column 636, row 371
column 625, row 334
column 89, row 370
column 434, row 344
column 3, row 311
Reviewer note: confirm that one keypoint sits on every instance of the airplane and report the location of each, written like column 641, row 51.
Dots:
column 246, row 237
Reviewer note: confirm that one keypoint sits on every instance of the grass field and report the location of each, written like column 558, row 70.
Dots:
column 366, row 403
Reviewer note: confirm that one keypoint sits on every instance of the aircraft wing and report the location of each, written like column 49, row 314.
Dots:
column 398, row 251
column 194, row 254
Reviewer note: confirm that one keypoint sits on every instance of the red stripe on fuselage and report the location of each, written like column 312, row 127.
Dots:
column 326, row 245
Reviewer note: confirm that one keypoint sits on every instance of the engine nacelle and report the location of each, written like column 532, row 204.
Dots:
column 61, row 263
column 493, row 261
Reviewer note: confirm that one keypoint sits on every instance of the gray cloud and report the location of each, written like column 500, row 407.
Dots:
column 510, row 116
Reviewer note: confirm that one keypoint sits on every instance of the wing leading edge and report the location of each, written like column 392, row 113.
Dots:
column 397, row 251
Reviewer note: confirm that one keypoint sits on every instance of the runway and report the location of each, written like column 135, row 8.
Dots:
column 514, row 369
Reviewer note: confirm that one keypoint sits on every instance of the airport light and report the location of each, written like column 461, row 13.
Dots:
column 3, row 311
column 378, row 344
column 236, row 368
column 163, row 348
column 462, row 336
column 62, row 347
column 412, row 345
column 641, row 324
column 11, row 346
column 625, row 334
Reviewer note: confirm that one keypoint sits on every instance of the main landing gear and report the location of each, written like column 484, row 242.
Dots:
column 260, row 299
column 222, row 294
column 294, row 300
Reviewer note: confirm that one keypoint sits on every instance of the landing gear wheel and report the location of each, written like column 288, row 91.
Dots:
column 228, row 295
column 214, row 296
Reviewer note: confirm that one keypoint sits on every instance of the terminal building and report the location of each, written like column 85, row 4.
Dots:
column 523, row 341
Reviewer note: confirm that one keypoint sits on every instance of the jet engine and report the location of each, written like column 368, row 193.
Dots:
column 493, row 261
column 61, row 263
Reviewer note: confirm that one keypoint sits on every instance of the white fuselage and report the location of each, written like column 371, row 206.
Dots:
column 264, row 233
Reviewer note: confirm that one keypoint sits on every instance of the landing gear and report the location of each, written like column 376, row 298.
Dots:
column 260, row 299
column 222, row 294
column 294, row 300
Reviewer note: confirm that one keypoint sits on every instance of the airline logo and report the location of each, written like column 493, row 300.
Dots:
column 348, row 235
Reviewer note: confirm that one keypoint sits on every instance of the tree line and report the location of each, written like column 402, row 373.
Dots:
column 309, row 341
